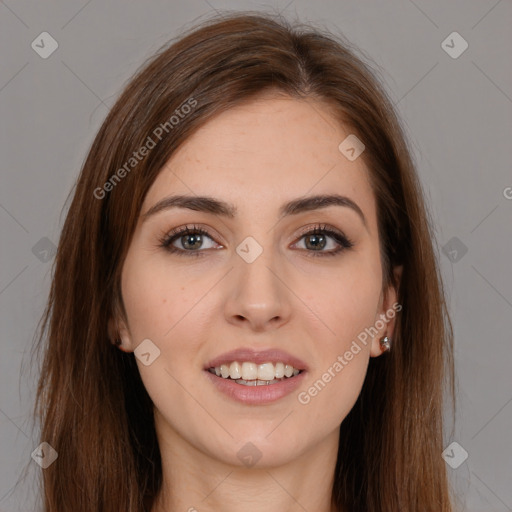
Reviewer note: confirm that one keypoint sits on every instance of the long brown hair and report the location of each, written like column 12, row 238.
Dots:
column 92, row 405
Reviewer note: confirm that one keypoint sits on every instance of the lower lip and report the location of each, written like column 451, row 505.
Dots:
column 256, row 395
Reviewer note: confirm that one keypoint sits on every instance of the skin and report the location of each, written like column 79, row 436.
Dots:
column 256, row 156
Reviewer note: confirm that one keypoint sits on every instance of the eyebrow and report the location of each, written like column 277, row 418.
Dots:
column 216, row 207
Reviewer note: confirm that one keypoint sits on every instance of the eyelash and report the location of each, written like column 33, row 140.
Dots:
column 343, row 241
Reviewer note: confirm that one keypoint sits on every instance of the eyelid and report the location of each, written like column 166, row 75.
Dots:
column 343, row 242
column 319, row 226
column 168, row 237
column 341, row 239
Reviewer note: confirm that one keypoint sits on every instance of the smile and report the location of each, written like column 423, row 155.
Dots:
column 253, row 374
column 255, row 377
column 255, row 391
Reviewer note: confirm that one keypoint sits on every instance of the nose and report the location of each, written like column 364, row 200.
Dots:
column 258, row 294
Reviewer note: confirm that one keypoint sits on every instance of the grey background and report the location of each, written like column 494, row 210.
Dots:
column 456, row 112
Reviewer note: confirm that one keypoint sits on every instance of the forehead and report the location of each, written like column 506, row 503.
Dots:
column 265, row 152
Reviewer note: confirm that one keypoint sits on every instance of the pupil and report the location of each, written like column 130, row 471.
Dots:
column 316, row 244
column 196, row 238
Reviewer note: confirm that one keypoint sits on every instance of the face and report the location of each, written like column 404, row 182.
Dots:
column 255, row 291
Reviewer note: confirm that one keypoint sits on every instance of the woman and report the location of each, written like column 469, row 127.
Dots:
column 246, row 311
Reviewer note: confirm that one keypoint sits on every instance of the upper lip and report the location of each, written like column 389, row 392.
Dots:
column 257, row 356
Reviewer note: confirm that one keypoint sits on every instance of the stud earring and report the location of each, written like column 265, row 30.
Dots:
column 385, row 343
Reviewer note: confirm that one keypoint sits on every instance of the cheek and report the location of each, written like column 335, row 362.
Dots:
column 163, row 304
column 159, row 298
column 346, row 305
column 332, row 393
column 341, row 361
column 344, row 302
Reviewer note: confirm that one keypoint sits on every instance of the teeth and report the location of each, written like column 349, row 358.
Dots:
column 256, row 382
column 224, row 371
column 288, row 370
column 235, row 370
column 252, row 374
column 266, row 371
column 249, row 371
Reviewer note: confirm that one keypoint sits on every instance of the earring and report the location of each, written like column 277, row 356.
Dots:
column 385, row 343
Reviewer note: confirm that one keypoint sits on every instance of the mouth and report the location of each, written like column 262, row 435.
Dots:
column 252, row 377
column 248, row 373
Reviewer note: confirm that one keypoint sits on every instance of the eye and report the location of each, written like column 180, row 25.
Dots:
column 190, row 238
column 316, row 239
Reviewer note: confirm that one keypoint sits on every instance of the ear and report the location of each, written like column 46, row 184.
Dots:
column 385, row 319
column 119, row 334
